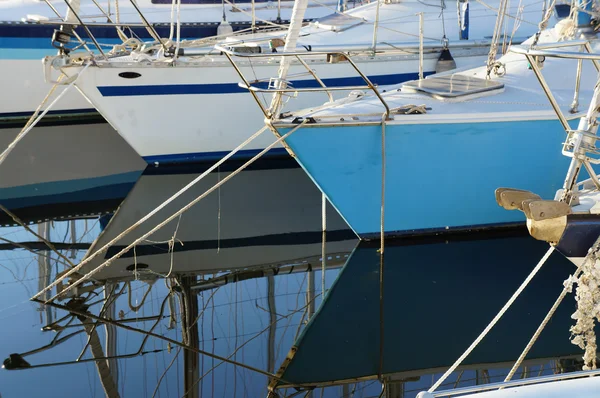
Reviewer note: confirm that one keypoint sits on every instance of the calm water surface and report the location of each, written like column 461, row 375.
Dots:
column 238, row 278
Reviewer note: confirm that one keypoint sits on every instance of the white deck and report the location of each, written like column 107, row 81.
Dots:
column 521, row 99
column 140, row 117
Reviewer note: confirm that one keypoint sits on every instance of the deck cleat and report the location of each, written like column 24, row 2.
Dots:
column 540, row 210
column 512, row 199
column 546, row 219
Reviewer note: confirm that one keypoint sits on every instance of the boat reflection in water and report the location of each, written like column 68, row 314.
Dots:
column 60, row 170
column 261, row 216
column 437, row 297
column 264, row 222
column 237, row 295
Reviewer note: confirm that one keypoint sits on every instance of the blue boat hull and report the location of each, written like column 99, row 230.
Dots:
column 438, row 176
column 66, row 199
column 581, row 232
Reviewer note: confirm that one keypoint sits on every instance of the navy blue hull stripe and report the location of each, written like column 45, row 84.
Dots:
column 211, row 156
column 66, row 112
column 580, row 234
column 232, row 88
column 285, row 239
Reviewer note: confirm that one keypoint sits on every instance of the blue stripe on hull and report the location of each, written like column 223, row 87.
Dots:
column 83, row 201
column 233, row 88
column 79, row 190
column 437, row 176
column 196, row 157
column 279, row 239
column 62, row 112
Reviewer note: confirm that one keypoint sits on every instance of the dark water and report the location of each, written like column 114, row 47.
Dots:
column 242, row 272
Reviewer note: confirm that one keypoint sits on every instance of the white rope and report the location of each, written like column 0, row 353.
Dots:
column 153, row 212
column 31, row 120
column 567, row 289
column 172, row 24
column 30, row 125
column 120, row 33
column 544, row 22
column 496, row 37
column 517, row 23
column 178, row 29
column 494, row 321
column 169, row 219
column 290, row 45
column 171, row 243
column 71, row 16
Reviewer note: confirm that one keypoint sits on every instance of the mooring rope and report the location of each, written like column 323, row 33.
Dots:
column 491, row 61
column 153, row 212
column 35, row 118
column 568, row 286
column 494, row 321
column 165, row 222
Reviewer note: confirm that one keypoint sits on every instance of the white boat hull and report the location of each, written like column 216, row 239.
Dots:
column 185, row 113
column 23, row 43
column 584, row 387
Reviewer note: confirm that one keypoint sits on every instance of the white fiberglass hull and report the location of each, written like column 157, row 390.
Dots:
column 186, row 113
column 547, row 387
column 181, row 110
column 25, row 82
column 24, row 41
